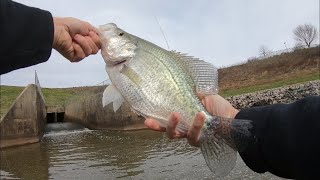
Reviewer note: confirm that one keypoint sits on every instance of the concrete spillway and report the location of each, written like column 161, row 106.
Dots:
column 29, row 118
column 24, row 122
column 90, row 113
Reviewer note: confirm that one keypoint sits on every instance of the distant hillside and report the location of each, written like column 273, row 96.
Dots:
column 60, row 96
column 288, row 68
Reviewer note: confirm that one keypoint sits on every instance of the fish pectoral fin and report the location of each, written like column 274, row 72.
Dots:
column 117, row 103
column 112, row 95
column 131, row 74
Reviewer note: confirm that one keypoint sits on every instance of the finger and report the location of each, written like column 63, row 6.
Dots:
column 92, row 45
column 78, row 53
column 154, row 125
column 75, row 26
column 207, row 101
column 81, row 40
column 202, row 97
column 96, row 39
column 195, row 130
column 84, row 28
column 174, row 120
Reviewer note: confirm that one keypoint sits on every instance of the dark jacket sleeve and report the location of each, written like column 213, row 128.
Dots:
column 286, row 139
column 26, row 36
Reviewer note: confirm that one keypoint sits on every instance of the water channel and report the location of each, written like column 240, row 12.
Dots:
column 87, row 154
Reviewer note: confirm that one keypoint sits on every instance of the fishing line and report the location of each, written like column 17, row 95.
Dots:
column 161, row 29
column 164, row 36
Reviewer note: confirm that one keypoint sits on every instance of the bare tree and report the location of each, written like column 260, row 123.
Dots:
column 263, row 50
column 305, row 34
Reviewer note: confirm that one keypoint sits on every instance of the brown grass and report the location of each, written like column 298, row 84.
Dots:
column 277, row 68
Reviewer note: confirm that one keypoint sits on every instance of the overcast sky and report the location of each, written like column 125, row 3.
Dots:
column 221, row 32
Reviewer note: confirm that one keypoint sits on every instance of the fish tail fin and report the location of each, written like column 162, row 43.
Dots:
column 220, row 141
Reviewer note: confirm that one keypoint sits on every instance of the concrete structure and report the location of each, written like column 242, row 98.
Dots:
column 25, row 120
column 89, row 112
column 55, row 109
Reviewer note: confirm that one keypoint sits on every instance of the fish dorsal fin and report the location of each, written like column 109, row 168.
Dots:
column 112, row 95
column 204, row 74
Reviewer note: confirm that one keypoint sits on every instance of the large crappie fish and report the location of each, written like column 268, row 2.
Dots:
column 156, row 82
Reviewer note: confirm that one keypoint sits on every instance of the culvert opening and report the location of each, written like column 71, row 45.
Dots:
column 55, row 117
column 50, row 117
column 60, row 117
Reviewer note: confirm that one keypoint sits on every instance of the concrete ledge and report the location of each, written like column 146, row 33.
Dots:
column 55, row 109
column 24, row 122
column 18, row 141
column 89, row 112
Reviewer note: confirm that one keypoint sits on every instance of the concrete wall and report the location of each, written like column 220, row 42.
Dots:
column 89, row 112
column 25, row 120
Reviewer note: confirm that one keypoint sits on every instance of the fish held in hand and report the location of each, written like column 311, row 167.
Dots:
column 156, row 82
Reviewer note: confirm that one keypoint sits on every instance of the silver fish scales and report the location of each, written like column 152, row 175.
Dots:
column 156, row 82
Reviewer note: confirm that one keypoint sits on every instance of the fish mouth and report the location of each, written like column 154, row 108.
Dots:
column 117, row 63
column 108, row 26
column 120, row 62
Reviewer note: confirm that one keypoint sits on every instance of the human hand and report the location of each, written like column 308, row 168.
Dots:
column 75, row 39
column 214, row 104
column 218, row 106
column 193, row 134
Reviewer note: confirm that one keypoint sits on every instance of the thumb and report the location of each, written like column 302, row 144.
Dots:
column 201, row 95
column 76, row 26
column 83, row 28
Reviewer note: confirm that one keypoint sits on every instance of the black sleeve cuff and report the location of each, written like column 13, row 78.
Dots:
column 26, row 36
column 252, row 154
column 286, row 140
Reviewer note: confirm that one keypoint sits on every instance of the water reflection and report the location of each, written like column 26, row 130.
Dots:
column 27, row 162
column 111, row 154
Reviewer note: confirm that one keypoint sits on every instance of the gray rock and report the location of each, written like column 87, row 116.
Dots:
column 285, row 95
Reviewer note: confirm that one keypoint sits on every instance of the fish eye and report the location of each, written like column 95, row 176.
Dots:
column 121, row 34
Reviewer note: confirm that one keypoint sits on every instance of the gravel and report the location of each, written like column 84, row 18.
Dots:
column 285, row 95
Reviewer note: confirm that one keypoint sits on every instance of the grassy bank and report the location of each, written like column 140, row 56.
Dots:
column 60, row 96
column 285, row 69
column 7, row 95
column 269, row 85
column 53, row 96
